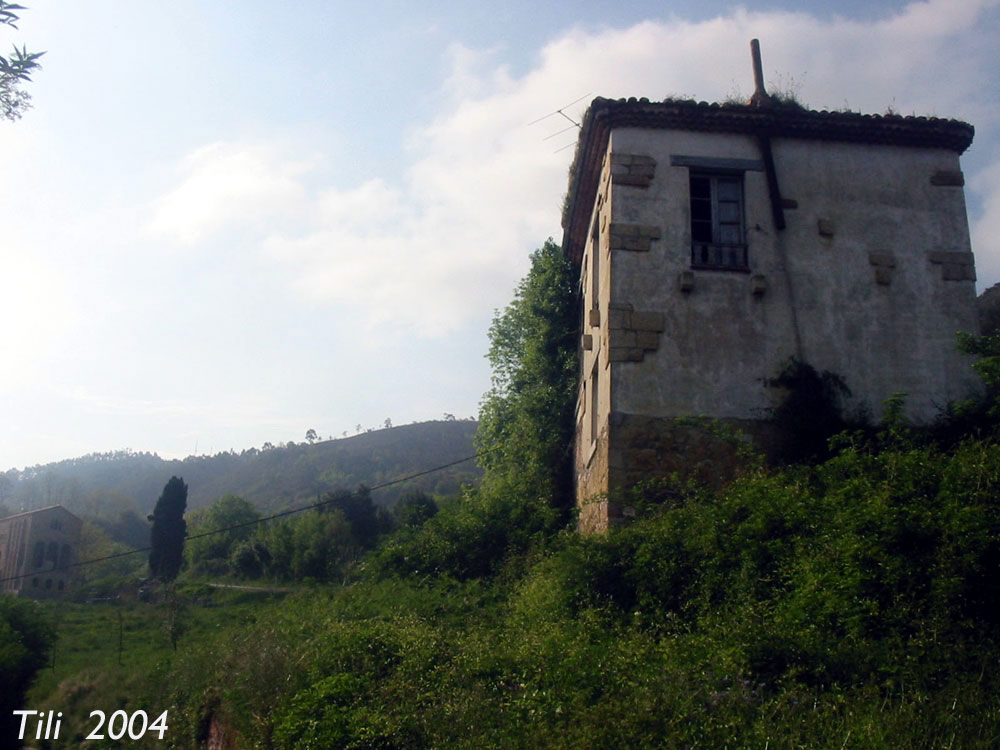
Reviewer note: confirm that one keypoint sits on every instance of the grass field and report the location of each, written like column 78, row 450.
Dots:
column 108, row 653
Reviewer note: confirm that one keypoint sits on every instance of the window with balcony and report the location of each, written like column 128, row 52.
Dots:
column 718, row 238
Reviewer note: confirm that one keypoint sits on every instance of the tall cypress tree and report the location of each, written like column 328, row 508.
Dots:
column 169, row 529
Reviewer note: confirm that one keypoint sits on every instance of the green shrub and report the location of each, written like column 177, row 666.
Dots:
column 26, row 638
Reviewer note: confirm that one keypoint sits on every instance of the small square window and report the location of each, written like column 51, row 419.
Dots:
column 718, row 239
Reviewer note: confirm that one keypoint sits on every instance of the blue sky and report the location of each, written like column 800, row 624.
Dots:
column 226, row 223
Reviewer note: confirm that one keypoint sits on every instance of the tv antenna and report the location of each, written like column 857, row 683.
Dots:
column 562, row 113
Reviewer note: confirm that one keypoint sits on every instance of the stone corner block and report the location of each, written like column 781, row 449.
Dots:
column 619, row 318
column 884, row 260
column 648, row 321
column 626, row 354
column 948, row 178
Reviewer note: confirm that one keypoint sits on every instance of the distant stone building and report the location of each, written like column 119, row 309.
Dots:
column 716, row 242
column 36, row 549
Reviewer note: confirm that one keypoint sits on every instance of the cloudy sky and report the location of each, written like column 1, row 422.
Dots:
column 226, row 222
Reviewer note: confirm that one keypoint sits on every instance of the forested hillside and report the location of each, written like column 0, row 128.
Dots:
column 273, row 478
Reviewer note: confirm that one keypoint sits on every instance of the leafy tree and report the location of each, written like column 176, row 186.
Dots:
column 15, row 69
column 169, row 528
column 526, row 426
column 359, row 511
column 414, row 508
column 117, row 515
column 108, row 577
column 224, row 513
column 987, row 348
column 311, row 436
column 310, row 545
column 175, row 622
column 525, row 439
column 6, row 485
column 251, row 559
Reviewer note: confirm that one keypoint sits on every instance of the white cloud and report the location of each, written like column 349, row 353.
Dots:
column 227, row 184
column 446, row 240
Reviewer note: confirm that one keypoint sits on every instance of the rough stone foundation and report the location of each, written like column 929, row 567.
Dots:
column 712, row 452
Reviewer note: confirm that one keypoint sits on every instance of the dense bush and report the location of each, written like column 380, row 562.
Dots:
column 209, row 551
column 850, row 604
column 472, row 537
column 26, row 638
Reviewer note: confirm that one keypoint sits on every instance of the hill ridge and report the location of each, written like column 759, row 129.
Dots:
column 277, row 477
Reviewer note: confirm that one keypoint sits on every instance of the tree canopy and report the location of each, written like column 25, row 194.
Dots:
column 15, row 70
column 231, row 513
column 526, row 425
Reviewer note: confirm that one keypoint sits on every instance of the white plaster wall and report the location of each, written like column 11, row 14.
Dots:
column 821, row 303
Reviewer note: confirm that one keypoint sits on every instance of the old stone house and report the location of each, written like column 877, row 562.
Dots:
column 36, row 549
column 716, row 242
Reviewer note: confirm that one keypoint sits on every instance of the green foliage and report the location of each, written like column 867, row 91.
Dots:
column 987, row 348
column 524, row 440
column 846, row 604
column 319, row 716
column 471, row 538
column 358, row 510
column 414, row 508
column 211, row 554
column 15, row 69
column 840, row 574
column 26, row 638
column 167, row 534
column 809, row 413
column 251, row 559
column 311, row 545
column 108, row 577
column 525, row 434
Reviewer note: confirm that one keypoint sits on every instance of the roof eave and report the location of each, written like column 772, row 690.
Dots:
column 604, row 115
